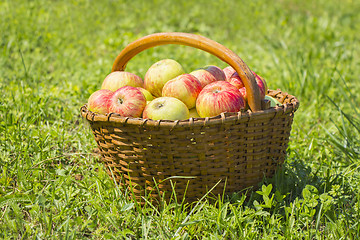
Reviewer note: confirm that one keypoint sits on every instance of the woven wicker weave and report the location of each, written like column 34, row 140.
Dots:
column 237, row 149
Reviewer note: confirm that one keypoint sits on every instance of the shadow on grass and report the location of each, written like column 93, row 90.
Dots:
column 289, row 180
column 293, row 177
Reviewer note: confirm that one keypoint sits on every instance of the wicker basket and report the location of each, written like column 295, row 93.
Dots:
column 232, row 151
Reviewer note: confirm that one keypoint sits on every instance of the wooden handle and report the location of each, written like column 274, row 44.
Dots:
column 200, row 42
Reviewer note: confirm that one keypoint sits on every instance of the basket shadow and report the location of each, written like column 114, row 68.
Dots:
column 290, row 179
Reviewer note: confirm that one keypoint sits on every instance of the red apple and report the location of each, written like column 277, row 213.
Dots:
column 203, row 76
column 184, row 87
column 217, row 72
column 208, row 75
column 243, row 92
column 160, row 73
column 128, row 102
column 218, row 97
column 118, row 79
column 166, row 108
column 99, row 101
column 228, row 71
column 261, row 84
column 233, row 77
column 235, row 80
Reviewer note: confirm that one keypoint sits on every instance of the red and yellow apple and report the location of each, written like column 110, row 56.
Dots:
column 128, row 102
column 208, row 75
column 228, row 71
column 243, row 92
column 218, row 97
column 217, row 72
column 160, row 73
column 184, row 87
column 261, row 84
column 99, row 101
column 166, row 108
column 118, row 79
column 236, row 81
column 233, row 77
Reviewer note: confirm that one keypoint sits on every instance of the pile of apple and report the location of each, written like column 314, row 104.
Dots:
column 168, row 93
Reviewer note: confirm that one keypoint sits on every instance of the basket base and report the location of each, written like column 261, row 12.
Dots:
column 180, row 189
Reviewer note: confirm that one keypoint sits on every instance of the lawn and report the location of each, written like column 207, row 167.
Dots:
column 54, row 54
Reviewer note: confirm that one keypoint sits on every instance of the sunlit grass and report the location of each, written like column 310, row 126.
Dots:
column 54, row 54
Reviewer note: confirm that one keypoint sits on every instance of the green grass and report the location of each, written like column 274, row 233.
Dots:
column 54, row 54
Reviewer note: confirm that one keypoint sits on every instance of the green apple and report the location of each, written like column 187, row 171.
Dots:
column 146, row 93
column 193, row 113
column 166, row 108
column 160, row 73
column 273, row 101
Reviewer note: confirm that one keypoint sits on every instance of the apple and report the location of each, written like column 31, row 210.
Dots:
column 217, row 72
column 128, row 102
column 228, row 71
column 160, row 73
column 203, row 76
column 146, row 93
column 118, row 79
column 208, row 75
column 273, row 101
column 184, row 87
column 243, row 92
column 262, row 84
column 218, row 97
column 166, row 108
column 236, row 81
column 233, row 77
column 99, row 101
column 193, row 113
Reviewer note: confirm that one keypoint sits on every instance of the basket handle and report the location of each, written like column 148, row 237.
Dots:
column 199, row 42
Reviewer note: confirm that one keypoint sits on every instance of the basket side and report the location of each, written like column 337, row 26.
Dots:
column 238, row 152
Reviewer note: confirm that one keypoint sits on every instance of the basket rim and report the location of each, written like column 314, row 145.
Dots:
column 290, row 107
